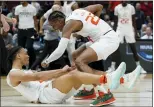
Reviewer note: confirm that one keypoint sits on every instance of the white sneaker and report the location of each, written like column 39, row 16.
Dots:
column 113, row 79
column 110, row 69
column 143, row 71
column 130, row 78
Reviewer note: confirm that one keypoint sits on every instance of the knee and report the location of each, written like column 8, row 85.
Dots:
column 79, row 61
column 73, row 74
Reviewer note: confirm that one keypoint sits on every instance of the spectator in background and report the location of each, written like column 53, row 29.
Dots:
column 15, row 39
column 107, row 19
column 143, row 30
column 7, row 37
column 148, row 19
column 147, row 8
column 5, row 9
column 140, row 18
column 51, row 42
column 150, row 24
column 27, row 23
column 4, row 26
column 111, row 6
column 68, row 7
column 45, row 16
column 148, row 34
column 12, row 13
column 36, row 5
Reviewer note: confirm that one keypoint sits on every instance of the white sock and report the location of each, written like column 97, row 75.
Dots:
column 101, row 88
column 88, row 87
column 137, row 63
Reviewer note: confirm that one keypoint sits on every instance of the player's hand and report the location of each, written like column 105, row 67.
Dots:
column 73, row 66
column 66, row 68
column 41, row 32
column 44, row 65
column 14, row 21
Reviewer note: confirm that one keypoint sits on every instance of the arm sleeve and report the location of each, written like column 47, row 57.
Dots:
column 59, row 51
column 71, row 48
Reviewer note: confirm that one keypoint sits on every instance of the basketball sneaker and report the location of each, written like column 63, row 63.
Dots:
column 128, row 80
column 103, row 99
column 113, row 78
column 85, row 94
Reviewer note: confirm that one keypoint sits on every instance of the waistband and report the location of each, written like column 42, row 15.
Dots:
column 26, row 28
column 107, row 32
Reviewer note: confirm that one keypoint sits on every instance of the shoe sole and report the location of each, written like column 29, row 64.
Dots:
column 85, row 97
column 110, row 101
column 120, row 72
column 137, row 71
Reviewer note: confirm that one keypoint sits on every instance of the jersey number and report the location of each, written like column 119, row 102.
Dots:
column 94, row 19
column 124, row 21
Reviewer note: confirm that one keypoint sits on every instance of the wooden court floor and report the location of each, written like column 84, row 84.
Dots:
column 141, row 95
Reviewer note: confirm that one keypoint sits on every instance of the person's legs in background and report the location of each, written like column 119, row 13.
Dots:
column 21, row 38
column 116, row 59
column 31, row 52
column 41, row 56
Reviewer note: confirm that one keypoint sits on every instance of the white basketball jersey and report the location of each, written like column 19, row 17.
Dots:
column 124, row 15
column 30, row 90
column 93, row 26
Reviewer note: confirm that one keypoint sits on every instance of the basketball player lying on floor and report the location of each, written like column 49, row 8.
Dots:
column 103, row 40
column 58, row 85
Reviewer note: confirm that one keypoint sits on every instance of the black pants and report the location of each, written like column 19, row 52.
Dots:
column 25, row 40
column 50, row 46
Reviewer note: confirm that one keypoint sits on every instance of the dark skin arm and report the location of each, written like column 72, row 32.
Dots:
column 95, row 9
column 42, row 20
column 134, row 25
column 74, row 6
column 115, row 23
column 71, row 26
column 35, row 23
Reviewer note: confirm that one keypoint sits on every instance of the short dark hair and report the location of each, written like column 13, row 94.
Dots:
column 11, row 56
column 55, row 15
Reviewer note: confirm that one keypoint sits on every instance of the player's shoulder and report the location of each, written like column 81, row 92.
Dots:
column 19, row 6
column 118, row 6
column 130, row 5
column 78, row 10
column 31, row 6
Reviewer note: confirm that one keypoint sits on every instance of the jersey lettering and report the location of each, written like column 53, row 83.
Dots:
column 94, row 19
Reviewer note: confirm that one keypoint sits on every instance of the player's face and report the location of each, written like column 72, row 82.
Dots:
column 57, row 24
column 23, row 2
column 124, row 3
column 23, row 56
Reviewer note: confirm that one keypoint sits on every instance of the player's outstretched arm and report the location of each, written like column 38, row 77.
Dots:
column 20, row 76
column 70, row 27
column 95, row 9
